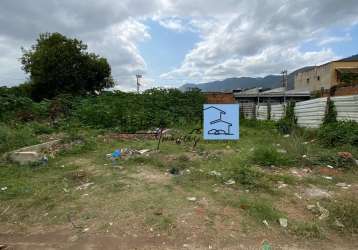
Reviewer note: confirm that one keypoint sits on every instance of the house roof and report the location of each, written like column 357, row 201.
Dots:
column 277, row 92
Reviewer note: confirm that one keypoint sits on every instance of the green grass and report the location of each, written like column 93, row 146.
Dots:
column 344, row 210
column 307, row 230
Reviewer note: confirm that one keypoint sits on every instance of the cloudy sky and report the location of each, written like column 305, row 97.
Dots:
column 174, row 42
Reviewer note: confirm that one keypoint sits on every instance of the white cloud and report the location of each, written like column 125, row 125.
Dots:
column 247, row 37
column 263, row 37
column 335, row 39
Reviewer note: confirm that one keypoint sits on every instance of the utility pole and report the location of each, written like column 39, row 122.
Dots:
column 138, row 84
column 284, row 79
column 284, row 84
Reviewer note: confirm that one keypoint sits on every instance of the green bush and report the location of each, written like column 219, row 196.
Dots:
column 246, row 176
column 268, row 155
column 288, row 123
column 339, row 133
column 130, row 112
column 15, row 137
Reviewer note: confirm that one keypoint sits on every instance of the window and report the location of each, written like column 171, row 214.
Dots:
column 318, row 78
column 307, row 80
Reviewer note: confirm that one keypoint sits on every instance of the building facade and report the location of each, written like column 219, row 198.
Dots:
column 326, row 76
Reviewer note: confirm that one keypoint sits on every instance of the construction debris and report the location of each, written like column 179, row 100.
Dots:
column 126, row 152
column 33, row 154
column 281, row 151
column 315, row 192
column 84, row 186
column 191, row 198
column 214, row 173
column 283, row 222
column 338, row 223
column 265, row 223
column 343, row 185
column 324, row 212
column 230, row 182
column 281, row 185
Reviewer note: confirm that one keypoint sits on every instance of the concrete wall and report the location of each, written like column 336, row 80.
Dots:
column 309, row 79
column 261, row 113
column 310, row 113
column 327, row 76
column 346, row 107
column 277, row 111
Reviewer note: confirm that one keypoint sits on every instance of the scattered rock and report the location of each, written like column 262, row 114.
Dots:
column 84, row 186
column 300, row 172
column 191, row 198
column 214, row 173
column 281, row 151
column 143, row 151
column 25, row 157
column 315, row 192
column 345, row 155
column 283, row 222
column 3, row 188
column 324, row 212
column 265, row 223
column 343, row 185
column 311, row 207
column 230, row 182
column 32, row 154
column 338, row 223
column 298, row 196
column 282, row 185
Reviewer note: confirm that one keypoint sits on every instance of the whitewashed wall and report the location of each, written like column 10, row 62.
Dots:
column 346, row 107
column 261, row 113
column 277, row 111
column 310, row 113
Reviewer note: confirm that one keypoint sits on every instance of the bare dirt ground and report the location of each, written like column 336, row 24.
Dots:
column 136, row 205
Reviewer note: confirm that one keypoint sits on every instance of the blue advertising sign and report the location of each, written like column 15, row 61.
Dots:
column 221, row 121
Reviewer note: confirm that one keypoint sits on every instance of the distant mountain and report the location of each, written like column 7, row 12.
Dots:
column 349, row 59
column 270, row 81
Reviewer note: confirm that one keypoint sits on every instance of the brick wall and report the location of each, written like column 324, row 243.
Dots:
column 340, row 91
column 219, row 98
column 349, row 90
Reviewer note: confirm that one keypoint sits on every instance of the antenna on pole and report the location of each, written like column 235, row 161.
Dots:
column 138, row 84
column 284, row 79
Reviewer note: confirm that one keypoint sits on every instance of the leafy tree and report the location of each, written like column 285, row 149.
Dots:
column 58, row 65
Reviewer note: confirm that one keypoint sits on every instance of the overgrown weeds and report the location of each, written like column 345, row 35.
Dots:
column 344, row 214
column 267, row 155
column 339, row 133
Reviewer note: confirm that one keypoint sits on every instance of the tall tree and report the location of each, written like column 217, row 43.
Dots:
column 58, row 65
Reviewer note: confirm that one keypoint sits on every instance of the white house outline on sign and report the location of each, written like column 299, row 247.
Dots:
column 219, row 120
